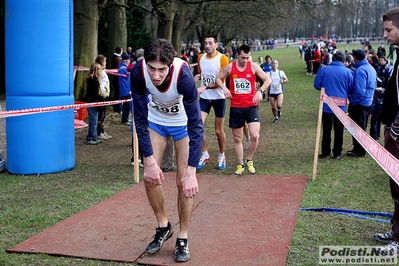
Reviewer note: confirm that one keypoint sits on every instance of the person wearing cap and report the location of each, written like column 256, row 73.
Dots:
column 115, row 62
column 338, row 83
column 124, row 88
column 390, row 118
column 365, row 80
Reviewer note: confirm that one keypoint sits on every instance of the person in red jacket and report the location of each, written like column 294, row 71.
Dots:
column 316, row 58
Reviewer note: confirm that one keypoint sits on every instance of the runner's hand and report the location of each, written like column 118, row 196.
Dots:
column 197, row 77
column 152, row 173
column 190, row 183
column 201, row 89
column 227, row 93
column 258, row 97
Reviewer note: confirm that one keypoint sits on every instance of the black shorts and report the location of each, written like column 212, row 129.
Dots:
column 274, row 95
column 238, row 116
column 219, row 106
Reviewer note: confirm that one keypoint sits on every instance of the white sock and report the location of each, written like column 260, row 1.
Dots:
column 221, row 155
column 205, row 154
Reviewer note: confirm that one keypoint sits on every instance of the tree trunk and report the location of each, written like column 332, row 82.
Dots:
column 178, row 29
column 86, row 17
column 117, row 27
column 165, row 22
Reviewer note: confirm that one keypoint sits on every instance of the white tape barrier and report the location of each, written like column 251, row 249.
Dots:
column 384, row 158
column 38, row 110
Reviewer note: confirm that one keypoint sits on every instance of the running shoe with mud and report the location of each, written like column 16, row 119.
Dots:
column 182, row 253
column 161, row 235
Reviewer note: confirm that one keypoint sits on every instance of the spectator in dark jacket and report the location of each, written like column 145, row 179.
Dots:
column 381, row 51
column 93, row 80
column 308, row 59
column 349, row 62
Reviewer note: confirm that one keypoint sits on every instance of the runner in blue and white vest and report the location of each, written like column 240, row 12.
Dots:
column 173, row 110
column 276, row 90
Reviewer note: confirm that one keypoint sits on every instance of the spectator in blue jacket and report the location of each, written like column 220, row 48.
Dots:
column 124, row 88
column 365, row 78
column 337, row 80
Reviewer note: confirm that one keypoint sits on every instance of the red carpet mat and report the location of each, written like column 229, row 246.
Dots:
column 237, row 220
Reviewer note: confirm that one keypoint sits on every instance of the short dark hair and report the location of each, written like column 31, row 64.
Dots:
column 244, row 48
column 215, row 38
column 160, row 50
column 118, row 50
column 338, row 56
column 393, row 15
column 348, row 59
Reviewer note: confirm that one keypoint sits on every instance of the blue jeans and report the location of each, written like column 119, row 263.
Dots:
column 93, row 120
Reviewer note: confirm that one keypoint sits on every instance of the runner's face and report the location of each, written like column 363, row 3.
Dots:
column 243, row 59
column 210, row 46
column 391, row 33
column 275, row 64
column 158, row 71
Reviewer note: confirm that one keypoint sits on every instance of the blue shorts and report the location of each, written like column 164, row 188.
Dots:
column 176, row 132
column 219, row 105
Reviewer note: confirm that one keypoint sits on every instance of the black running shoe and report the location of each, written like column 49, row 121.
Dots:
column 161, row 235
column 384, row 237
column 182, row 253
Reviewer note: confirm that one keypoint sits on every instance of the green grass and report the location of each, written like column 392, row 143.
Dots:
column 30, row 204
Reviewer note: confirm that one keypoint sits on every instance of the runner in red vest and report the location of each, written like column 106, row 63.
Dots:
column 244, row 103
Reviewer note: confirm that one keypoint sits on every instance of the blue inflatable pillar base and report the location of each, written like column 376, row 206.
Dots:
column 39, row 73
column 40, row 143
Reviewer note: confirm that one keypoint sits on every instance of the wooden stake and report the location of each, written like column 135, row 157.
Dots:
column 136, row 155
column 316, row 149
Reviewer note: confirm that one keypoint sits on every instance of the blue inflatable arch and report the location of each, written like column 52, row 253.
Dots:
column 39, row 73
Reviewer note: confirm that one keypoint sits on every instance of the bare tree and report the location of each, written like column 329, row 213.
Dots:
column 117, row 29
column 86, row 18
